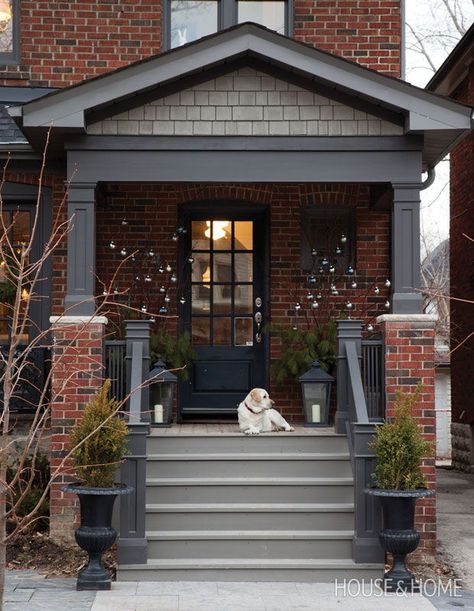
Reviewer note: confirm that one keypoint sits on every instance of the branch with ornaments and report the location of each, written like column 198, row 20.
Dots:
column 334, row 288
column 148, row 270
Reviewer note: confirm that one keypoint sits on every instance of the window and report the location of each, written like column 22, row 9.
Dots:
column 9, row 31
column 188, row 20
column 327, row 233
column 20, row 223
column 269, row 13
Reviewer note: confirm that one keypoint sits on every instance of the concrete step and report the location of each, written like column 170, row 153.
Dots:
column 159, row 442
column 234, row 544
column 249, row 489
column 336, row 464
column 249, row 569
column 250, row 516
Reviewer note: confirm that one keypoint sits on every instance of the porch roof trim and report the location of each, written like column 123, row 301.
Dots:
column 439, row 118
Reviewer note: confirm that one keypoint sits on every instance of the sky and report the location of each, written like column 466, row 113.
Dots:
column 430, row 21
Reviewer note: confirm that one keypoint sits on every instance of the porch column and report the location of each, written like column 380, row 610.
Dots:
column 81, row 250
column 406, row 297
column 409, row 341
column 76, row 376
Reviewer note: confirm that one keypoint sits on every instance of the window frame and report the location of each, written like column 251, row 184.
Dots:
column 314, row 215
column 12, row 57
column 227, row 15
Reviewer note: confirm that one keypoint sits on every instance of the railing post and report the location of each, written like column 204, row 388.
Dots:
column 133, row 545
column 346, row 330
column 368, row 519
column 138, row 331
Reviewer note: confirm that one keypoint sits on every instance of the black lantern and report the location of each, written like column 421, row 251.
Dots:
column 316, row 390
column 162, row 391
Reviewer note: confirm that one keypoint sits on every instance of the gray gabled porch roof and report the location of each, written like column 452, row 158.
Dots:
column 439, row 120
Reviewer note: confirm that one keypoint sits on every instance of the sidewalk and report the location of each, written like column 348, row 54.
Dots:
column 28, row 591
column 455, row 509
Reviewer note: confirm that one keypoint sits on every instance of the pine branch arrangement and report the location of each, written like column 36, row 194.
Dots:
column 300, row 347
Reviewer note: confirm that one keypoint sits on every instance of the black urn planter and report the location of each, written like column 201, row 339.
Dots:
column 399, row 536
column 95, row 534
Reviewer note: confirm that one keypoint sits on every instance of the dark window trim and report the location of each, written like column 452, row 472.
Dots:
column 226, row 17
column 24, row 195
column 13, row 57
column 317, row 213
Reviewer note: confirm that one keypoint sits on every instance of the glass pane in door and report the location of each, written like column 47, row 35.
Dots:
column 222, row 282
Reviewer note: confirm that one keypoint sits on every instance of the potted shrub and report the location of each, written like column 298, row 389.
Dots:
column 399, row 481
column 99, row 443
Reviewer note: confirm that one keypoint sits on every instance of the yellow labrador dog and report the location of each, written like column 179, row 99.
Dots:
column 256, row 414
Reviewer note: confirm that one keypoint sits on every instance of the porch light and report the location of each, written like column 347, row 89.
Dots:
column 162, row 392
column 316, row 390
column 5, row 14
column 217, row 229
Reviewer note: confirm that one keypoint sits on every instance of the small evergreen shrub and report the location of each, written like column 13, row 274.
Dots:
column 99, row 441
column 399, row 448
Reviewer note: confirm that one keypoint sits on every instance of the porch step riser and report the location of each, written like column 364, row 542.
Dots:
column 331, row 520
column 194, row 444
column 249, row 468
column 232, row 548
column 255, row 575
column 249, row 494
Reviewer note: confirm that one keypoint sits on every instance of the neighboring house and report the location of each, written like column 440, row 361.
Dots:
column 435, row 283
column 250, row 141
column 455, row 78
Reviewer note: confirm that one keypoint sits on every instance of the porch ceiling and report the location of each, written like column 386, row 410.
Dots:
column 440, row 120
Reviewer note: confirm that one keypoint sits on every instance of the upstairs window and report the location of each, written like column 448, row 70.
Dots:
column 9, row 31
column 192, row 19
column 270, row 13
column 188, row 20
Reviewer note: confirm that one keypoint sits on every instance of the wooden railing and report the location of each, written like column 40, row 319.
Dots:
column 373, row 378
column 115, row 368
column 34, row 375
column 353, row 418
column 132, row 545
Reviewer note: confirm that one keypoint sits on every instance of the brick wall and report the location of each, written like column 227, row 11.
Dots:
column 77, row 375
column 462, row 274
column 64, row 42
column 409, row 359
column 365, row 31
column 152, row 215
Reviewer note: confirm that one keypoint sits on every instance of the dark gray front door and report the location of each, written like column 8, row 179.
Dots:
column 225, row 308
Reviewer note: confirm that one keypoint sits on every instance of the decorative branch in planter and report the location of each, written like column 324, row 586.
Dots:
column 399, row 481
column 176, row 351
column 300, row 347
column 98, row 446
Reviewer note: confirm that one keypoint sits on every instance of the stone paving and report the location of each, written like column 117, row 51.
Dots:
column 28, row 591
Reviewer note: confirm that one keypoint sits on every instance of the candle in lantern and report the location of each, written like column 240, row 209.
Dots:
column 158, row 413
column 316, row 412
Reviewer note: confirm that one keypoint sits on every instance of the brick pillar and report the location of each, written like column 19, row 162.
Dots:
column 77, row 363
column 409, row 359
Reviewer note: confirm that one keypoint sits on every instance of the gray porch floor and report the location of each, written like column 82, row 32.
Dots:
column 231, row 428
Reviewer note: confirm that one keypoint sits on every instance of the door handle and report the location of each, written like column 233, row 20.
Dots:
column 258, row 321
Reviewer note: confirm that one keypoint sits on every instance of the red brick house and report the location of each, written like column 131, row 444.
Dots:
column 455, row 78
column 244, row 162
